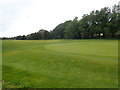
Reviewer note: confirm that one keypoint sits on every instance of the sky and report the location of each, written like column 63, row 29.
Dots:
column 22, row 17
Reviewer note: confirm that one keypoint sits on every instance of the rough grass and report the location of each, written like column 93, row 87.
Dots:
column 60, row 64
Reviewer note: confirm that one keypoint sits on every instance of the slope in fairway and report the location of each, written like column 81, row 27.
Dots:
column 60, row 64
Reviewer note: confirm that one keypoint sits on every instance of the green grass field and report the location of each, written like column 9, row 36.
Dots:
column 60, row 64
column 0, row 64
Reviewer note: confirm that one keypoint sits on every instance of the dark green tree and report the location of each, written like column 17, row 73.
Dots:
column 72, row 31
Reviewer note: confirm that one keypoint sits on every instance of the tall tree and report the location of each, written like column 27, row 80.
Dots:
column 72, row 31
column 59, row 31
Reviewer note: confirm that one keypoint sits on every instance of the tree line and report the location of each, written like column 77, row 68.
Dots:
column 104, row 23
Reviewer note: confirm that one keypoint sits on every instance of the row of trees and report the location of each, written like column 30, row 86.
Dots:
column 104, row 23
column 41, row 34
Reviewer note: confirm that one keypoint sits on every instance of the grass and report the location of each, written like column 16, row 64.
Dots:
column 60, row 64
column 0, row 64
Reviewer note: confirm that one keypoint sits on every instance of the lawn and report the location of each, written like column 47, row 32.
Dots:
column 0, row 64
column 60, row 63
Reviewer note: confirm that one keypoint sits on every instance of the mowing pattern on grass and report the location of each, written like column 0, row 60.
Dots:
column 60, row 64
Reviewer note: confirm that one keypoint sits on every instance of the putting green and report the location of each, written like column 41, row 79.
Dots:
column 93, row 48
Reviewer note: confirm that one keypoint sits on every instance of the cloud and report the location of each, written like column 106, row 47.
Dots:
column 10, row 12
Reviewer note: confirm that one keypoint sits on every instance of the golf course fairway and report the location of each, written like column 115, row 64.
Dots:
column 88, row 63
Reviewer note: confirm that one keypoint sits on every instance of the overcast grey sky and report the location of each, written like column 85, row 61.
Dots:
column 22, row 17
